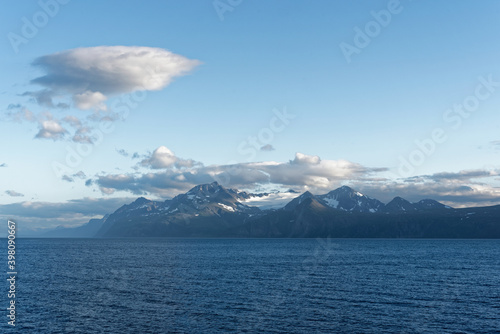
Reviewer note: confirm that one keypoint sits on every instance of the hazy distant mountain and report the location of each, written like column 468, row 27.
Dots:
column 87, row 230
column 211, row 210
column 430, row 204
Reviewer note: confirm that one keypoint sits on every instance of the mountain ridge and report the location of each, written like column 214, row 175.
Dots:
column 211, row 210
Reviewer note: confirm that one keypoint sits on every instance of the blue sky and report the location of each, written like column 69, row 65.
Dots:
column 352, row 119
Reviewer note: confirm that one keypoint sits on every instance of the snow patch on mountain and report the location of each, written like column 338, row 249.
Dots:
column 331, row 202
column 226, row 207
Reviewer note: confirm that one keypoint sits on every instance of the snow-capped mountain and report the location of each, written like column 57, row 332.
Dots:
column 347, row 199
column 214, row 207
column 211, row 198
column 204, row 207
column 211, row 210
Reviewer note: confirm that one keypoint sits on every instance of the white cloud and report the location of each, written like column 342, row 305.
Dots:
column 50, row 129
column 304, row 172
column 90, row 75
column 306, row 159
column 308, row 172
column 163, row 157
column 89, row 100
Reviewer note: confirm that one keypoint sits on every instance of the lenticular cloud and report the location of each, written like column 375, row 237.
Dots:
column 90, row 75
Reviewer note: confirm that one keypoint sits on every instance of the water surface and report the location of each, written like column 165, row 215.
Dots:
column 257, row 286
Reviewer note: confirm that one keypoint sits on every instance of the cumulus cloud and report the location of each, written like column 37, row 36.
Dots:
column 51, row 129
column 162, row 157
column 306, row 159
column 89, row 76
column 13, row 193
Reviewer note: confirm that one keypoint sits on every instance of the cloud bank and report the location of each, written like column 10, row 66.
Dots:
column 304, row 172
column 165, row 177
column 36, row 215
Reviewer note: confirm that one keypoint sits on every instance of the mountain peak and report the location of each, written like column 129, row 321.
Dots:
column 206, row 188
column 345, row 189
column 298, row 200
column 141, row 200
column 399, row 204
column 347, row 199
column 204, row 194
column 430, row 204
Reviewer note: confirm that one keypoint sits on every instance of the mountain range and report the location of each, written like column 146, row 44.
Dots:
column 211, row 210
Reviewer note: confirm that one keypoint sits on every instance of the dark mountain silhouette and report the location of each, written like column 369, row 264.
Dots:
column 211, row 210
